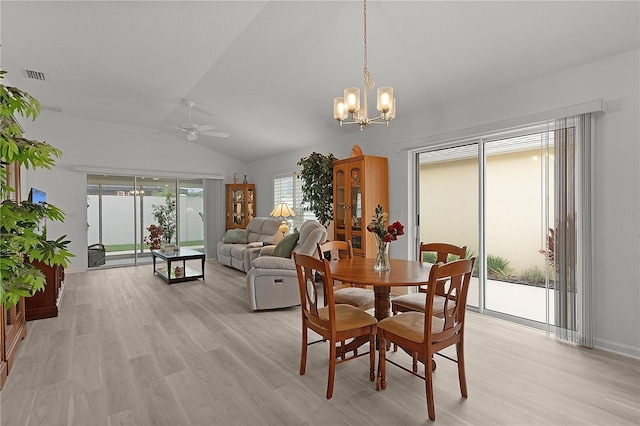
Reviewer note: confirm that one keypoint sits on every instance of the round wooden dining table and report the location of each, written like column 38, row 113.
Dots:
column 360, row 271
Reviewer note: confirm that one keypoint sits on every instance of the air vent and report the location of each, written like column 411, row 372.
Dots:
column 36, row 75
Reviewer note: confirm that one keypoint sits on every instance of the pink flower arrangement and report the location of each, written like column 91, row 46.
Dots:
column 378, row 226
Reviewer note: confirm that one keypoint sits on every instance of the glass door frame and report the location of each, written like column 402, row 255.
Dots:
column 138, row 228
column 482, row 178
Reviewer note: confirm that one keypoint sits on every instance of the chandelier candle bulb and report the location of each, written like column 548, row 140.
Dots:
column 385, row 98
column 391, row 114
column 352, row 98
column 339, row 109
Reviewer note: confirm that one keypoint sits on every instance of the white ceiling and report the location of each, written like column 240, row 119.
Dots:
column 267, row 72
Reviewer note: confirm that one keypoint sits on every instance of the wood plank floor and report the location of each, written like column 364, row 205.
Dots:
column 129, row 349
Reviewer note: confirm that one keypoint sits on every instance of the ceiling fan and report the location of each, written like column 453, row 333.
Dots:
column 192, row 130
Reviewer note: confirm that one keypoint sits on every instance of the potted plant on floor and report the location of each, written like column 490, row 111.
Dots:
column 165, row 215
column 21, row 241
column 317, row 186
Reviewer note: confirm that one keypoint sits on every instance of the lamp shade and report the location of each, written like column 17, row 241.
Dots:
column 282, row 210
column 352, row 99
column 385, row 98
column 339, row 109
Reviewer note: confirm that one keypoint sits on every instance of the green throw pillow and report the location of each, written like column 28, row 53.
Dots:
column 286, row 245
column 236, row 236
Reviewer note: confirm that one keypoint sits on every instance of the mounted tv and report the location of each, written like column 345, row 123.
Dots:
column 37, row 196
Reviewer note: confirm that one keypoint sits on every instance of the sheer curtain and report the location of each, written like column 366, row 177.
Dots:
column 572, row 245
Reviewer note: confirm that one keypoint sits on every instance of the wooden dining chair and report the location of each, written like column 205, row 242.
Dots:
column 334, row 323
column 415, row 301
column 425, row 334
column 347, row 293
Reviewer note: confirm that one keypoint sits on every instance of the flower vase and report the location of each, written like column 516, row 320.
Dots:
column 382, row 255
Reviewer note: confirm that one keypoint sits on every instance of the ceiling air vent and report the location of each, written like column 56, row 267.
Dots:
column 36, row 75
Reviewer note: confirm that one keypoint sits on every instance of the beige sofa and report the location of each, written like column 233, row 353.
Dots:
column 240, row 255
column 272, row 282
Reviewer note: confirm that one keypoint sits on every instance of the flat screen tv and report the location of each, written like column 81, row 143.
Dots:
column 37, row 196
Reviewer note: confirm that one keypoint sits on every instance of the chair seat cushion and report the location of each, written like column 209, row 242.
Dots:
column 416, row 302
column 410, row 325
column 348, row 317
column 354, row 296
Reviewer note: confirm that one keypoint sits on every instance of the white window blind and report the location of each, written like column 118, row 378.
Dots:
column 288, row 188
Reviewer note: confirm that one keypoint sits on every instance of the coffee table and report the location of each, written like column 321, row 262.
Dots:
column 168, row 272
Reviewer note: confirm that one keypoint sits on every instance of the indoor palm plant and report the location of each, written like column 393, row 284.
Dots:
column 21, row 242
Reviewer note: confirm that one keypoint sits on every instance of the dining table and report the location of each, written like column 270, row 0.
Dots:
column 360, row 271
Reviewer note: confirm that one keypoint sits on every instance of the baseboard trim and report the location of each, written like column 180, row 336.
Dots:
column 618, row 348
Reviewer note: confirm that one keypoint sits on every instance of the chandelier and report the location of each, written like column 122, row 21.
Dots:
column 350, row 105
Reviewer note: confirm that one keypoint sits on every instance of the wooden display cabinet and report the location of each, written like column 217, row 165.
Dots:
column 46, row 303
column 359, row 185
column 241, row 204
column 14, row 329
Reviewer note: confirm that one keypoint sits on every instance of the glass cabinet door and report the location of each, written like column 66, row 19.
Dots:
column 355, row 206
column 238, row 206
column 340, row 201
column 250, row 209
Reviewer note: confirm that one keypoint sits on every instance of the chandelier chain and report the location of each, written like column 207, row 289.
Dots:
column 368, row 80
column 365, row 35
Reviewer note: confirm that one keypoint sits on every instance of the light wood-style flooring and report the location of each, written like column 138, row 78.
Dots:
column 128, row 349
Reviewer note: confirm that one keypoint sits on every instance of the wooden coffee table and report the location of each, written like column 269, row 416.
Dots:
column 167, row 269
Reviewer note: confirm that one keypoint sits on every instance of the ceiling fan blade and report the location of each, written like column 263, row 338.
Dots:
column 191, row 136
column 182, row 129
column 204, row 127
column 216, row 134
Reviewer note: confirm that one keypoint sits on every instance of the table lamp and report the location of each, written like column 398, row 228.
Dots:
column 282, row 210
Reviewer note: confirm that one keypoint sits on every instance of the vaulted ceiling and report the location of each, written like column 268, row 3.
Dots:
column 267, row 72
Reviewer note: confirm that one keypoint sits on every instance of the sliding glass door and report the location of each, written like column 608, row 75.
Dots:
column 111, row 206
column 493, row 197
column 120, row 210
column 191, row 214
column 518, row 187
column 448, row 181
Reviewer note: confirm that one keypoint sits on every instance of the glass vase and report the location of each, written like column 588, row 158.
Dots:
column 382, row 255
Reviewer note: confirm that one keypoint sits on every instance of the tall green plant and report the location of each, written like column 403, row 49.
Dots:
column 165, row 215
column 20, row 241
column 317, row 185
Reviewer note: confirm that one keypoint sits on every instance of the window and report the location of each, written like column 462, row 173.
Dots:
column 288, row 188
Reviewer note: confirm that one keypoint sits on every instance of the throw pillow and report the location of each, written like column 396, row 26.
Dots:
column 286, row 245
column 236, row 236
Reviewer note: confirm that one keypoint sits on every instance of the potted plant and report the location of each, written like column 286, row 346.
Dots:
column 165, row 215
column 317, row 186
column 154, row 239
column 21, row 241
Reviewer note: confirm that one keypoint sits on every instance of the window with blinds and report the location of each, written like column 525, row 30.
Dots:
column 288, row 188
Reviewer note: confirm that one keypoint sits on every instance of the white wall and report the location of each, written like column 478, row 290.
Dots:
column 617, row 181
column 103, row 145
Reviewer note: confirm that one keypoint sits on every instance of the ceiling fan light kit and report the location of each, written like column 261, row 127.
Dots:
column 350, row 103
column 192, row 130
